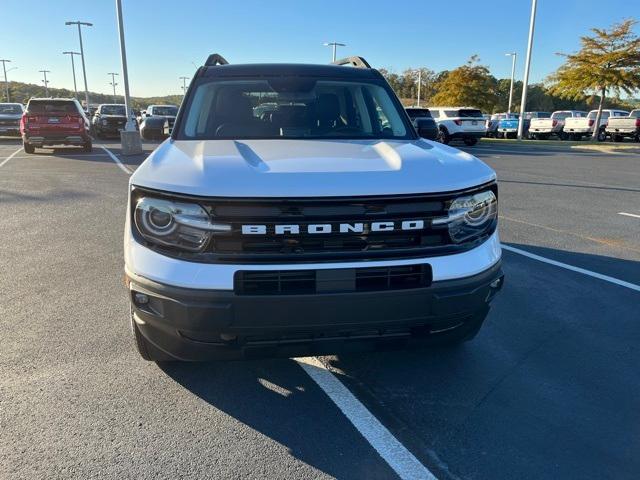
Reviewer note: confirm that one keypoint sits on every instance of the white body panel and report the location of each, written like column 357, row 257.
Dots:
column 309, row 168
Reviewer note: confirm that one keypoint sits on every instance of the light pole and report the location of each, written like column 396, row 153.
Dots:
column 113, row 84
column 45, row 81
column 84, row 70
column 334, row 45
column 184, row 85
column 6, row 82
column 73, row 70
column 527, row 65
column 129, row 137
column 513, row 56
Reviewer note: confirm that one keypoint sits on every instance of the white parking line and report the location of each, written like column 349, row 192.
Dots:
column 629, row 214
column 403, row 462
column 122, row 166
column 10, row 157
column 606, row 278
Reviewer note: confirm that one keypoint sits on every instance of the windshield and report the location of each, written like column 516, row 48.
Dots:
column 292, row 107
column 10, row 109
column 112, row 110
column 165, row 111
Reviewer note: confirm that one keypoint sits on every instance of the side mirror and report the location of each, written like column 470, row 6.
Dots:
column 426, row 129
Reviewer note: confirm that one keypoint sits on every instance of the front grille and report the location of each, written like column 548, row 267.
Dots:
column 116, row 122
column 302, row 282
column 268, row 246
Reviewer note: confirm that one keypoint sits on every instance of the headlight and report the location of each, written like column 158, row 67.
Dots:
column 471, row 216
column 182, row 225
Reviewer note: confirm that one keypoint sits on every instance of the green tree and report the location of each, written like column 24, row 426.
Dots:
column 609, row 61
column 469, row 85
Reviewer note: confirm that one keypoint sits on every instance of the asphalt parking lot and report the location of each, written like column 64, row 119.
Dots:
column 549, row 388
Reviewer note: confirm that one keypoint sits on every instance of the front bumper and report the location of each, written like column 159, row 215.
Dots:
column 191, row 324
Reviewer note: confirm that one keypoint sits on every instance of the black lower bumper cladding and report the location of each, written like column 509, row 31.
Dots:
column 193, row 324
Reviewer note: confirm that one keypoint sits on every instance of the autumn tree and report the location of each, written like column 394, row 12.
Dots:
column 608, row 62
column 469, row 85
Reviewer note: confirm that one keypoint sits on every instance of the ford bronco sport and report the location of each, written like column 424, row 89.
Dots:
column 295, row 211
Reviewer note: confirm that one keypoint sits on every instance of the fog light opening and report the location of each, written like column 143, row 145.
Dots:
column 141, row 298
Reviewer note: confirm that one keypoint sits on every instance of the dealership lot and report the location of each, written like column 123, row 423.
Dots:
column 547, row 390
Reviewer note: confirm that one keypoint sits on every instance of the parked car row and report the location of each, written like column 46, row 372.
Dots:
column 63, row 121
column 567, row 125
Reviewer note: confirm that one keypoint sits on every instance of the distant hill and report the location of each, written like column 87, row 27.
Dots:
column 22, row 92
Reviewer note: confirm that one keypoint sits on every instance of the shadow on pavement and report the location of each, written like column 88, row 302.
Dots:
column 548, row 389
column 277, row 399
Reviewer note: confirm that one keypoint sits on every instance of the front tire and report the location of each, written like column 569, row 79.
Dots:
column 28, row 148
column 146, row 349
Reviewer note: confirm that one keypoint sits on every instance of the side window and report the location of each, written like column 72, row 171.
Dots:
column 605, row 114
column 620, row 114
column 435, row 113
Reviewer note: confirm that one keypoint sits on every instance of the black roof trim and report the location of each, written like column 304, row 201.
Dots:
column 358, row 62
column 288, row 69
column 215, row 59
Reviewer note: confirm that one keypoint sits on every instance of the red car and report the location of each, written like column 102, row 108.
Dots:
column 54, row 121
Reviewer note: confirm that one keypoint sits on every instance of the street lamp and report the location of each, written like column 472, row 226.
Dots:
column 419, row 85
column 334, row 45
column 113, row 84
column 527, row 65
column 184, row 85
column 45, row 81
column 6, row 82
column 513, row 56
column 84, row 70
column 73, row 70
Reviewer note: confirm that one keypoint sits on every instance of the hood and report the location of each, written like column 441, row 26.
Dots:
column 308, row 168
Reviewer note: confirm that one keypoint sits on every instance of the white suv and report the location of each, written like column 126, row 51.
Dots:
column 465, row 123
column 320, row 223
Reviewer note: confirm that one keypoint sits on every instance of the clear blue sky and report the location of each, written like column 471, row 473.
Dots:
column 165, row 37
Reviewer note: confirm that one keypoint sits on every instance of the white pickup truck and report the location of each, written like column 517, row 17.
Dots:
column 620, row 127
column 542, row 128
column 578, row 127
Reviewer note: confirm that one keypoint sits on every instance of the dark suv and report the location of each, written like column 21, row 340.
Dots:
column 54, row 121
column 109, row 119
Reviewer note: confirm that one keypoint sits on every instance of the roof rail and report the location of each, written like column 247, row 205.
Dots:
column 215, row 59
column 358, row 62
